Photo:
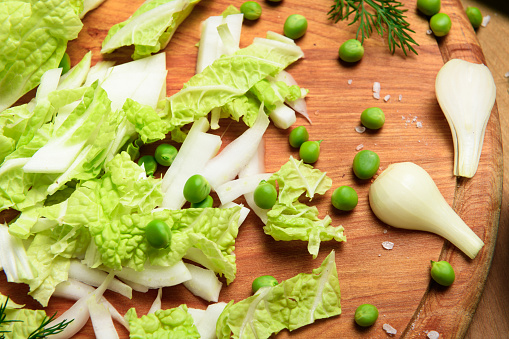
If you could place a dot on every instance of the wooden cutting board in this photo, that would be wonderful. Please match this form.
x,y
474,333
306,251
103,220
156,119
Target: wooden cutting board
x,y
396,281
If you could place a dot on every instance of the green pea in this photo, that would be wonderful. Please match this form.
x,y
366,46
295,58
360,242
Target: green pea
x,y
440,24
429,7
298,136
207,202
310,151
65,63
263,281
251,10
344,198
373,118
295,26
149,163
351,50
158,234
475,16
366,315
265,195
165,154
365,164
196,188
442,272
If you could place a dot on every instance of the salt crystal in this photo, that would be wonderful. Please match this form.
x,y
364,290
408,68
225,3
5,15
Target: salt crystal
x,y
350,81
376,87
388,245
389,329
429,31
387,97
485,20
433,335
419,124
400,97
385,231
360,129
359,147
402,117
506,75
414,119
376,95
379,255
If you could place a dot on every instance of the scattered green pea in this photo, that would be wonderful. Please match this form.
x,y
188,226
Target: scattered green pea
x,y
442,272
295,26
440,24
373,118
196,188
149,163
207,202
65,63
263,281
158,234
365,164
251,10
475,16
165,154
298,136
351,50
429,7
265,195
366,315
310,151
344,198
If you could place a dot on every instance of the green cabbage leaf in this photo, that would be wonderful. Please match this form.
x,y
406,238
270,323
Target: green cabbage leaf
x,y
293,303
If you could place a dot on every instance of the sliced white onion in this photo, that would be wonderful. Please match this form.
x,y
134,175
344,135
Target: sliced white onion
x,y
233,189
204,283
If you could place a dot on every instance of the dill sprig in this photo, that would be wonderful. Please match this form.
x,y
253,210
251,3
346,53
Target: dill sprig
x,y
3,316
387,16
42,332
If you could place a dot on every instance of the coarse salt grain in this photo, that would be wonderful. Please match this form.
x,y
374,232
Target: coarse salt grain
x,y
360,129
359,147
376,95
506,75
387,98
389,329
385,231
400,97
419,124
485,20
429,32
388,245
433,335
376,87
350,81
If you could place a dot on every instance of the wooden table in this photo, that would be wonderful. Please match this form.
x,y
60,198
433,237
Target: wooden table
x,y
485,324
491,319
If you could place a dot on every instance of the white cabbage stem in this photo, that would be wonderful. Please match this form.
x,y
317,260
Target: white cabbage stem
x,y
466,93
405,196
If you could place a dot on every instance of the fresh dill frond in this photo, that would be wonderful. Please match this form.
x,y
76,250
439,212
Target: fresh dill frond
x,y
3,316
387,16
42,332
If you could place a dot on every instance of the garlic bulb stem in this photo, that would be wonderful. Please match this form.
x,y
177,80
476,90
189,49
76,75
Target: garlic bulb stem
x,y
405,196
466,93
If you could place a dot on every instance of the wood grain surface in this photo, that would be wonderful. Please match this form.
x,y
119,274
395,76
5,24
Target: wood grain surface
x,y
396,281
491,319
